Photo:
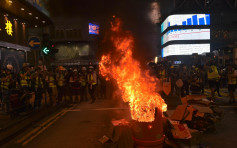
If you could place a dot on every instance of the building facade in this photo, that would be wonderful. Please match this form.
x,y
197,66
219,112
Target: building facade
x,y
17,19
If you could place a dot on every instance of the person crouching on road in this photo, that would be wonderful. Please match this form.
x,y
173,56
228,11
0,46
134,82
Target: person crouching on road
x,y
92,82
231,83
75,84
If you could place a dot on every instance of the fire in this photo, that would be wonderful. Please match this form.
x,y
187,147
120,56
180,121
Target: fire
x,y
137,86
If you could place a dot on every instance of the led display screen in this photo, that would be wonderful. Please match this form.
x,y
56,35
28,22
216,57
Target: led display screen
x,y
185,49
93,29
185,34
185,19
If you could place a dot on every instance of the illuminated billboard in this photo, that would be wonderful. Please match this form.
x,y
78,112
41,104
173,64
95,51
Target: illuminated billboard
x,y
93,29
185,19
185,34
185,49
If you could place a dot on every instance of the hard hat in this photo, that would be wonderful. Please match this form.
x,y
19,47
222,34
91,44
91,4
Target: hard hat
x,y
74,70
83,68
91,67
24,65
61,68
9,67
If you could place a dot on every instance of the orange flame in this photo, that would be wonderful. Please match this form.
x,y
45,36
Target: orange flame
x,y
137,86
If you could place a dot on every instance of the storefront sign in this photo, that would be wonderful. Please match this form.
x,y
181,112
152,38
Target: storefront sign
x,y
34,43
9,28
93,29
12,30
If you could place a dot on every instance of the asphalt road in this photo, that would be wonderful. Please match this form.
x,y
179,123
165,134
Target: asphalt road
x,y
80,127
83,126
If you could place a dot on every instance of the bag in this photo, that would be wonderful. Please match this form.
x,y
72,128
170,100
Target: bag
x,y
179,83
167,86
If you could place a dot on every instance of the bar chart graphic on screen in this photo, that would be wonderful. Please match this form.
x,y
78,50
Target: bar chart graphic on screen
x,y
185,19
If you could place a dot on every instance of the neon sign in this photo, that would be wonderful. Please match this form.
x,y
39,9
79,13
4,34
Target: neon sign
x,y
93,29
9,28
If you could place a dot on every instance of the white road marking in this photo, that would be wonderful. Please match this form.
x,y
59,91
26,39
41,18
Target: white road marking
x,y
97,109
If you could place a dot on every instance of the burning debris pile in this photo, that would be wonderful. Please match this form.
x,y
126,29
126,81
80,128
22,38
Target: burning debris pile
x,y
137,87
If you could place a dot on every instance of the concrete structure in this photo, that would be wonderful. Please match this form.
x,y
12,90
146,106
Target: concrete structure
x,y
17,18
76,46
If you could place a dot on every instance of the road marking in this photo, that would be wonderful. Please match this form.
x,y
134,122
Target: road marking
x,y
38,128
97,109
228,106
42,127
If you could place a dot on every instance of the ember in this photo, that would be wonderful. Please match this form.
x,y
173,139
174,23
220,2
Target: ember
x,y
137,86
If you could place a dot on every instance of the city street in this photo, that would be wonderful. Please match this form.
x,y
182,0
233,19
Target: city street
x,y
118,73
84,124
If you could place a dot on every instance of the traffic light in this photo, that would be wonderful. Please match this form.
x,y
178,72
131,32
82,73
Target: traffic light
x,y
45,50
49,49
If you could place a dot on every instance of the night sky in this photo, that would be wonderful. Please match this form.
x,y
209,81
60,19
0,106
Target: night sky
x,y
134,14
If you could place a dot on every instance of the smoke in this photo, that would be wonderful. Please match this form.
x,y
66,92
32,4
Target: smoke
x,y
136,15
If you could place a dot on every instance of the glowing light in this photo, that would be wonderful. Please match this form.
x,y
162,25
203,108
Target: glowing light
x,y
9,2
22,9
154,13
36,26
30,13
43,22
37,17
9,28
150,126
137,87
156,60
93,29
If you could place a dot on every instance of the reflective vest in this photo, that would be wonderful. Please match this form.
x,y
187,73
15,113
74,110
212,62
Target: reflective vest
x,y
91,79
6,83
25,81
213,74
51,81
38,82
61,80
83,79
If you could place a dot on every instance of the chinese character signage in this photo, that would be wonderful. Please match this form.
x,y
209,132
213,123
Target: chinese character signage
x,y
93,29
9,28
12,31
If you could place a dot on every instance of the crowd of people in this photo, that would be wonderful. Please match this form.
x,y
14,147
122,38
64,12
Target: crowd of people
x,y
76,84
60,84
185,80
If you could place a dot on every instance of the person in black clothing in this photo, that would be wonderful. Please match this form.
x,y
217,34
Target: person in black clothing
x,y
75,85
185,76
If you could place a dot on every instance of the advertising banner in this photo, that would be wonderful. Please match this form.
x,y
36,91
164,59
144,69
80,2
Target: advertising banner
x,y
185,19
185,49
186,34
